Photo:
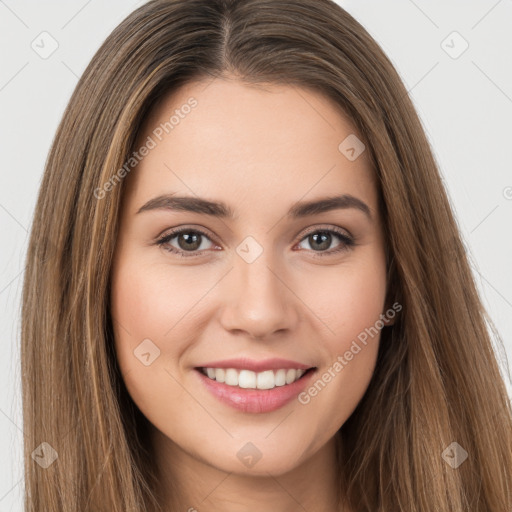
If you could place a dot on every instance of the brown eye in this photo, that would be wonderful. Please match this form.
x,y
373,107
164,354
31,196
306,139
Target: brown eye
x,y
185,241
322,239
188,241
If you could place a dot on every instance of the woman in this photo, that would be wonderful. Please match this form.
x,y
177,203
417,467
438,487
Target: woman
x,y
187,345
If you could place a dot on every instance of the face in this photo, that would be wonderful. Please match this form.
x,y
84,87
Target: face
x,y
256,283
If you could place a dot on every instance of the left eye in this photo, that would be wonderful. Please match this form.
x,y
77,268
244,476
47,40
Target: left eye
x,y
322,239
190,242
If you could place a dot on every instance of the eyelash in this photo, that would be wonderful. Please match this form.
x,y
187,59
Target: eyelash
x,y
347,242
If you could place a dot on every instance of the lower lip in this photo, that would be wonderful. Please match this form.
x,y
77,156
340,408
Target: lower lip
x,y
256,400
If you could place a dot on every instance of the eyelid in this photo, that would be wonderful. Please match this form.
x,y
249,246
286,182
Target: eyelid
x,y
325,227
185,227
347,239
168,235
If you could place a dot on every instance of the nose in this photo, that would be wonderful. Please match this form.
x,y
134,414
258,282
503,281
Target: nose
x,y
259,301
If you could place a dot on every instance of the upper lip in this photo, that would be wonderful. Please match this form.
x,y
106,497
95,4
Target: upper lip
x,y
256,366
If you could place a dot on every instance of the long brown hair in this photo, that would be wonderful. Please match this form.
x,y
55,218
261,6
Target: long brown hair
x,y
437,380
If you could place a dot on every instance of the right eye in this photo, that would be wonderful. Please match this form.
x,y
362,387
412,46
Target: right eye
x,y
189,241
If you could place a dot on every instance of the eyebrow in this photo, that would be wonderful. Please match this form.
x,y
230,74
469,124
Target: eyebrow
x,y
222,210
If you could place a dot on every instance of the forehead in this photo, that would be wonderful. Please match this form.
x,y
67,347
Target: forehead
x,y
274,143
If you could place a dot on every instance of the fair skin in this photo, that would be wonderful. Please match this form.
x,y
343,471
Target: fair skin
x,y
259,152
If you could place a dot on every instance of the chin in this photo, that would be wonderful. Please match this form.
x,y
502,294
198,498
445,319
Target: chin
x,y
255,458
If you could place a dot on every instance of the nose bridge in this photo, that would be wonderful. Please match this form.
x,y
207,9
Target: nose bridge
x,y
259,302
259,277
253,262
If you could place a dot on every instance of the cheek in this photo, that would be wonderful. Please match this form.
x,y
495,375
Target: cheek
x,y
149,301
345,301
148,333
349,304
142,309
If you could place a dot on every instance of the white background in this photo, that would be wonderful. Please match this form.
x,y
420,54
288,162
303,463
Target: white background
x,y
465,104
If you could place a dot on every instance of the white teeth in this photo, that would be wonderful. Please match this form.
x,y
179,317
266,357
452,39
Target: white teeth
x,y
231,377
280,378
290,376
266,380
248,379
220,374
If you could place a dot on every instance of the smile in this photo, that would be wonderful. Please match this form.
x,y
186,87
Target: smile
x,y
249,391
248,379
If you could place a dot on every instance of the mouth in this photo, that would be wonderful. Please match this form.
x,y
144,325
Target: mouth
x,y
248,379
250,391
